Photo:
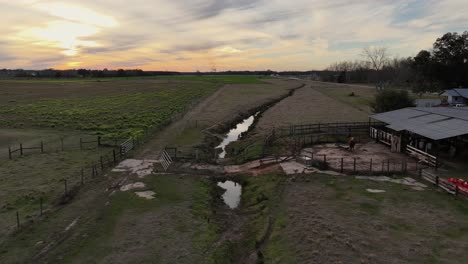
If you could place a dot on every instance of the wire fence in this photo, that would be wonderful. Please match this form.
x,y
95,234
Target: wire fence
x,y
60,145
73,183
91,171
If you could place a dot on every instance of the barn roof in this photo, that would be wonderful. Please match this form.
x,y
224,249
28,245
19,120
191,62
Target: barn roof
x,y
432,122
463,92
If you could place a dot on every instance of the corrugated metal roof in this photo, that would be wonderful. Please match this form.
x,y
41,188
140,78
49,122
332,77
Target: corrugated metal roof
x,y
432,122
463,92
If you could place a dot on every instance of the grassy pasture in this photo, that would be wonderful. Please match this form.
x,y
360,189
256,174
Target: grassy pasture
x,y
123,228
327,219
363,95
114,107
112,115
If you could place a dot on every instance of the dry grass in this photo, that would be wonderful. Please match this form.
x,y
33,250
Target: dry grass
x,y
308,105
334,220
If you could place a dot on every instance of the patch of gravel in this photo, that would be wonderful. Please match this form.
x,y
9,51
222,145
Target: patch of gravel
x,y
132,186
149,195
141,168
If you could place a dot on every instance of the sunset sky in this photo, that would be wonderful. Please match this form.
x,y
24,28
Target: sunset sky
x,y
190,35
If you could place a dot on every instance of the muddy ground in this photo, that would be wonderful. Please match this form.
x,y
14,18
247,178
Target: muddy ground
x,y
382,158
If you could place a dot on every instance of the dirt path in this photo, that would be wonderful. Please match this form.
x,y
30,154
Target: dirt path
x,y
222,106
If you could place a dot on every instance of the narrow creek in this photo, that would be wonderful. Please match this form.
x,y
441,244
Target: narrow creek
x,y
234,134
233,193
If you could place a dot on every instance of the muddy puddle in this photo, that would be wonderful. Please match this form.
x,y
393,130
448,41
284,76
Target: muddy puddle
x,y
235,133
233,193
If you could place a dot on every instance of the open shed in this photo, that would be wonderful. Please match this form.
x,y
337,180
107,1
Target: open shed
x,y
428,133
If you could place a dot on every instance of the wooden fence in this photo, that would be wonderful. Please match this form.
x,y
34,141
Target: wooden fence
x,y
88,173
350,165
443,184
387,139
343,128
59,145
21,150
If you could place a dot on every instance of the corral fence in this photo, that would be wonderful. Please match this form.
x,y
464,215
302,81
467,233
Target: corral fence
x,y
451,188
353,165
294,137
342,128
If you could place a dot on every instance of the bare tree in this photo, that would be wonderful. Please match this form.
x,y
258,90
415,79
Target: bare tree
x,y
377,57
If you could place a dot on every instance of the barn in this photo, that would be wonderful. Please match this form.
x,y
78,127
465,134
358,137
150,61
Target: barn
x,y
431,134
456,96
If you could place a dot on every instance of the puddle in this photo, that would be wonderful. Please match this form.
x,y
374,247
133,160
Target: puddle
x,y
233,134
233,193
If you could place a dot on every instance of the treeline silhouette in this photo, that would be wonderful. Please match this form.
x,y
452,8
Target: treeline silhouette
x,y
444,66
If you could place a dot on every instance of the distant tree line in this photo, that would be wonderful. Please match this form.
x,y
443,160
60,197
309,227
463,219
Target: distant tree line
x,y
445,66
79,73
105,73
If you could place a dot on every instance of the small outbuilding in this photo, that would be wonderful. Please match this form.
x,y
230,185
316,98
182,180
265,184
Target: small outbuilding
x,y
456,96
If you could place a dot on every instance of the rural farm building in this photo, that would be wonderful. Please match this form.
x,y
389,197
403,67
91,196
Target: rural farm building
x,y
456,96
428,133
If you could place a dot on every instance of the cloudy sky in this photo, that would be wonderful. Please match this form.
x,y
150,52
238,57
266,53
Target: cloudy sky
x,y
189,35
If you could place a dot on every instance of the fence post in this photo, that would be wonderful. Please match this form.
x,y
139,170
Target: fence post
x,y
456,190
114,156
81,144
92,171
42,146
9,152
102,163
17,220
21,149
388,166
341,170
82,176
354,165
99,141
420,171
325,159
370,167
61,143
437,180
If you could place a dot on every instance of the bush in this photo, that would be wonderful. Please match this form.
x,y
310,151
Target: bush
x,y
389,100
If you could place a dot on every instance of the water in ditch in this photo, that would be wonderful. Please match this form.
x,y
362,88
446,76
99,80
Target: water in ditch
x,y
233,193
233,134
